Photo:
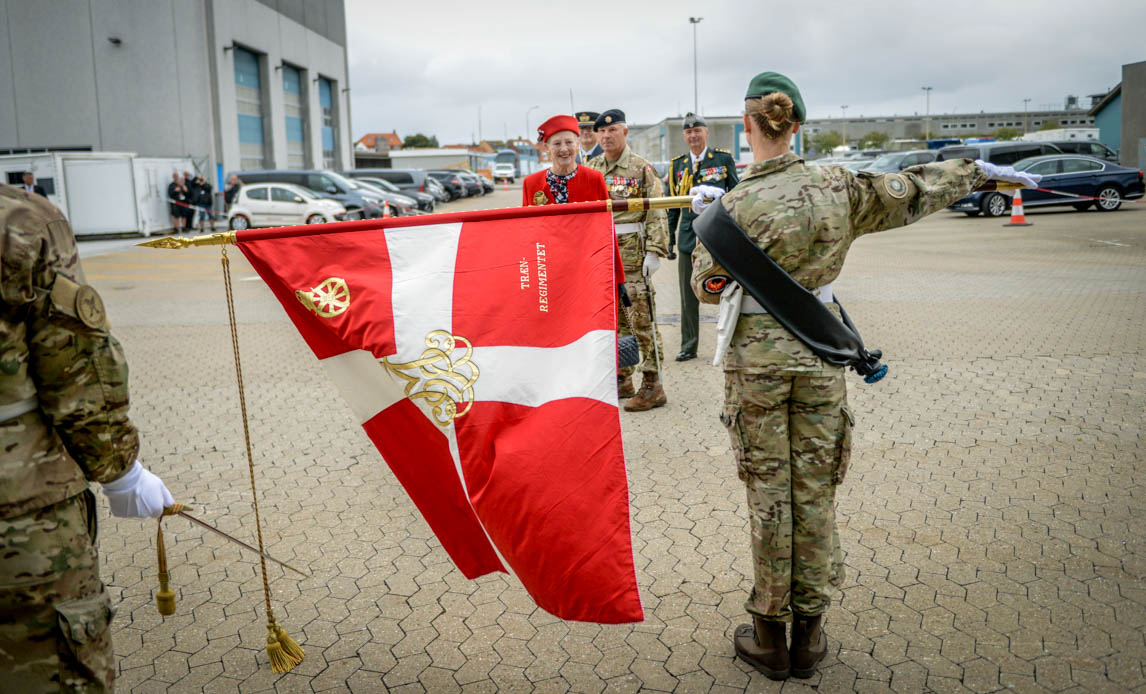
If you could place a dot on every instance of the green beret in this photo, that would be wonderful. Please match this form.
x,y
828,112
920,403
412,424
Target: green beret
x,y
771,82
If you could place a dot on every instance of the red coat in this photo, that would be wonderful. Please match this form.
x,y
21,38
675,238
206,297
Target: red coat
x,y
586,185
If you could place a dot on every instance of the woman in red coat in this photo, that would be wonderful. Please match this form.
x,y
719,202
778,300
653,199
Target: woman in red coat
x,y
564,181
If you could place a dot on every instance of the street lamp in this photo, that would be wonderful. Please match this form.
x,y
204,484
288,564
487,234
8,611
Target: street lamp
x,y
527,112
1025,119
695,98
927,116
844,108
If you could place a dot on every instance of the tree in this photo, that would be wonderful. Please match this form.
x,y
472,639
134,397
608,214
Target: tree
x,y
1050,125
876,139
824,143
1003,134
419,140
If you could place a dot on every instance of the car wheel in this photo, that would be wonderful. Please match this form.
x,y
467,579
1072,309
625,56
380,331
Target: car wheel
x,y
994,205
239,222
315,219
1109,199
1082,206
971,214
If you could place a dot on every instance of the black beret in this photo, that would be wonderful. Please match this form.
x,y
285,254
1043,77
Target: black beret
x,y
613,115
586,117
691,120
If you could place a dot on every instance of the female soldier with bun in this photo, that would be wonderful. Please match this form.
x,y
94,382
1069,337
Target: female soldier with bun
x,y
785,408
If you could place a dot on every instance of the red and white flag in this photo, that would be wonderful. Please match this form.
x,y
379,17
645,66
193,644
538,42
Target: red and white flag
x,y
479,354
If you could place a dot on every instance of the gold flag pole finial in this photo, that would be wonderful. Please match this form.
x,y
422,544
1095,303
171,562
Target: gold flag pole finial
x,y
219,239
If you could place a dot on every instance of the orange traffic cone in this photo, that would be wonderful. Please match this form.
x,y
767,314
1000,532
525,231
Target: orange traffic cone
x,y
1018,219
506,181
385,210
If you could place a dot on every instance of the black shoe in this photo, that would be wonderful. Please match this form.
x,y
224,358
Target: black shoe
x,y
764,646
672,255
685,356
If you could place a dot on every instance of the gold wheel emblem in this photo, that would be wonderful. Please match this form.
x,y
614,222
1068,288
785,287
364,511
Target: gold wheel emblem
x,y
445,383
329,299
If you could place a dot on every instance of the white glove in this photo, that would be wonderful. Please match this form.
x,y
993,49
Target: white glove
x,y
703,196
1007,173
652,264
138,494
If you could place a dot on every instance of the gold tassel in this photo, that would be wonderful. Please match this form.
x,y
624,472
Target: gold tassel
x,y
165,596
278,649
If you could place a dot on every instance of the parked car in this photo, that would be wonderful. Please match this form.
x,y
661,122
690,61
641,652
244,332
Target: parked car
x,y
1081,177
1002,153
894,162
505,171
281,204
423,201
473,185
435,188
450,181
400,205
325,183
407,180
1086,147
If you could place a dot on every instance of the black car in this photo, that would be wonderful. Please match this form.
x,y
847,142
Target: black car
x,y
1079,181
894,162
1001,153
473,184
425,200
1088,148
450,181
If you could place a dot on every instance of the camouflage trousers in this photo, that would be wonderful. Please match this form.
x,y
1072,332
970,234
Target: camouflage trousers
x,y
642,311
55,615
791,433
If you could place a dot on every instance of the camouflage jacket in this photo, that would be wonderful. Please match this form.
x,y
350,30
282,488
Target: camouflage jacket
x,y
717,168
55,348
805,218
633,177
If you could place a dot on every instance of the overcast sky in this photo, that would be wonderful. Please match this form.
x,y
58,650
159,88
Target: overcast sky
x,y
429,66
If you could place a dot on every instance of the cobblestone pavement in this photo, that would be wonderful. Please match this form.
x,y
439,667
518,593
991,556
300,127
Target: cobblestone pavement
x,y
994,516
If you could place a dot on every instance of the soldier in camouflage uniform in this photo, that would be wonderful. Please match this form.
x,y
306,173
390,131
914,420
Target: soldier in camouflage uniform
x,y
63,422
786,409
643,239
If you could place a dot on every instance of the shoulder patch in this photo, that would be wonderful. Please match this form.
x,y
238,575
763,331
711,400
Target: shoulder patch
x,y
895,185
89,308
716,284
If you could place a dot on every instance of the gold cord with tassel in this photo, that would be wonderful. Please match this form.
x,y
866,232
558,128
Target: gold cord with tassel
x,y
282,650
165,596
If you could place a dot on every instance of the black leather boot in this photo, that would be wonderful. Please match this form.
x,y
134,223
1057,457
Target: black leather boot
x,y
809,644
764,645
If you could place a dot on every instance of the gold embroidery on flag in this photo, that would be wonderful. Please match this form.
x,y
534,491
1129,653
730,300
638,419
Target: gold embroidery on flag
x,y
445,383
329,299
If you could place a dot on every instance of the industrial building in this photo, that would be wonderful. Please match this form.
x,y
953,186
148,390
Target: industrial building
x,y
230,84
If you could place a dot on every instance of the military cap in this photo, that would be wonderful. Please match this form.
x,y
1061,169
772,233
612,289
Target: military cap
x,y
771,82
585,119
555,125
691,120
610,117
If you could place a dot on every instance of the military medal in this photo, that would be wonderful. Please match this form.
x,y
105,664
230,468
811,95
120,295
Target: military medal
x,y
539,198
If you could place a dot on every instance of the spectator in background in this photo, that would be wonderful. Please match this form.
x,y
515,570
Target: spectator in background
x,y
231,191
176,194
30,185
192,211
205,200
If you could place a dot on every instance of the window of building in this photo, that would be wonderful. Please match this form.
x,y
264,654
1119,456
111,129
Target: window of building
x,y
249,104
326,94
295,117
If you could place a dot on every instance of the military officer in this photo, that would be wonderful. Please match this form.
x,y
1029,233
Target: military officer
x,y
589,147
701,165
785,408
643,239
63,423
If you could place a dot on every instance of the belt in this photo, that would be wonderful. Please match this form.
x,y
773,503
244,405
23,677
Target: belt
x,y
752,306
15,409
630,228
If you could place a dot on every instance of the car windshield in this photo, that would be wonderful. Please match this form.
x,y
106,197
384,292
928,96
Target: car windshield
x,y
309,195
342,180
887,160
384,185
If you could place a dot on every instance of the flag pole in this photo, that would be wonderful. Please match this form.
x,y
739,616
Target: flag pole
x,y
630,205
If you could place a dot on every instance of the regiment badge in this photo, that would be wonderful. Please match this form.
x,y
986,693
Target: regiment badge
x,y
896,186
89,308
329,299
539,198
715,284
